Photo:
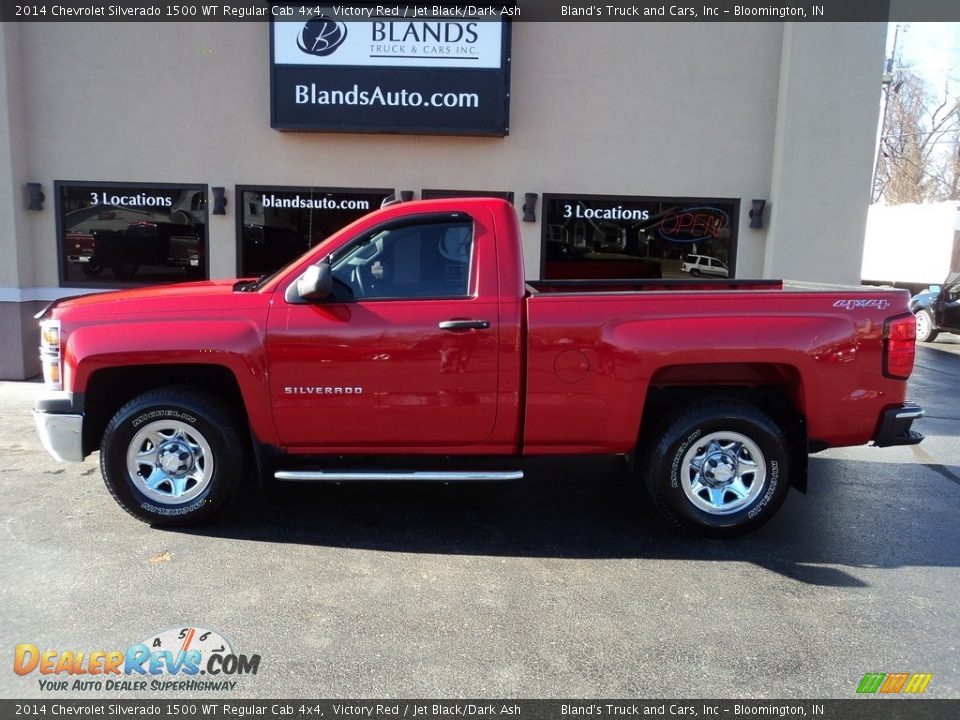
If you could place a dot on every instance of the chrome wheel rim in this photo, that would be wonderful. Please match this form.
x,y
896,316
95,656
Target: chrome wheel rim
x,y
723,472
169,462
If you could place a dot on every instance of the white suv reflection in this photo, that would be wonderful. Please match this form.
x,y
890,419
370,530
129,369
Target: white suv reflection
x,y
698,265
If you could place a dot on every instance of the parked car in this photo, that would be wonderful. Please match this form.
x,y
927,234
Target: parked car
x,y
81,249
146,242
937,309
698,265
161,243
408,346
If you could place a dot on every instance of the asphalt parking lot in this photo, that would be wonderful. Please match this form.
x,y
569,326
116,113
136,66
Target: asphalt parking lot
x,y
565,585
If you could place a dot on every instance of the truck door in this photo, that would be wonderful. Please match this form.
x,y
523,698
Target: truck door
x,y
947,309
405,355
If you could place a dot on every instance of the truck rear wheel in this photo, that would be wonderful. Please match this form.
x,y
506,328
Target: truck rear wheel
x,y
172,456
719,469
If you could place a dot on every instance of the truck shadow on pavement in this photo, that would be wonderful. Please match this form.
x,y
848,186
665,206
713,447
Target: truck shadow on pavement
x,y
576,510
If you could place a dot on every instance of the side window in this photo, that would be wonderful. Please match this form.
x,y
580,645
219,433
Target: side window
x,y
951,292
409,260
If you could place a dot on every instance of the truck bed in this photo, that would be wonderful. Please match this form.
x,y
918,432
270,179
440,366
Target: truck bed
x,y
595,348
658,285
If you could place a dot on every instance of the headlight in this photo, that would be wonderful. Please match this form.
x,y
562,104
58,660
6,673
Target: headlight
x,y
50,354
50,335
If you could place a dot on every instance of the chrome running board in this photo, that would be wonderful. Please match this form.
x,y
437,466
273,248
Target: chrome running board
x,y
400,475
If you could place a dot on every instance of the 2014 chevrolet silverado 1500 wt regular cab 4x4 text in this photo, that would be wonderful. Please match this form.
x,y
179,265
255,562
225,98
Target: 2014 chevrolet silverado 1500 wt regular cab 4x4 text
x,y
409,347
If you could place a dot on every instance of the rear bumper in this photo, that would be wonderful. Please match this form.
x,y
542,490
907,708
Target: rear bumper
x,y
895,426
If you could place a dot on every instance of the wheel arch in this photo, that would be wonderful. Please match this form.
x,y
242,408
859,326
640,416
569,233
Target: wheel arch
x,y
776,389
109,389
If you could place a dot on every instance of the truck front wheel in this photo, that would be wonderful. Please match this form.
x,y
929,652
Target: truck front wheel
x,y
719,469
172,456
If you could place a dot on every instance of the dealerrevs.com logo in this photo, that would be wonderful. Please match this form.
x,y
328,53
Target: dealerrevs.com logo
x,y
321,36
894,683
179,659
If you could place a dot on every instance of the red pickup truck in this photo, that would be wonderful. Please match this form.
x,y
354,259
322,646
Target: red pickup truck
x,y
408,347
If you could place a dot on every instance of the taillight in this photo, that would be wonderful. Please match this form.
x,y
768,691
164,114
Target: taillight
x,y
50,353
899,346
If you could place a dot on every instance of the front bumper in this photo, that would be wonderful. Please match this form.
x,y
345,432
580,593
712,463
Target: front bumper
x,y
61,435
58,416
895,426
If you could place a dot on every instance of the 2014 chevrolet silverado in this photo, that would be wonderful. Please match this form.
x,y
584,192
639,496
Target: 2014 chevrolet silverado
x,y
409,347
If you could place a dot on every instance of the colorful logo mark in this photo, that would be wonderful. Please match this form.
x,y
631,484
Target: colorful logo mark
x,y
894,683
187,651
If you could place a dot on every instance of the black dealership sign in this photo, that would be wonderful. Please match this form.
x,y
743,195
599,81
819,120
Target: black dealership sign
x,y
348,69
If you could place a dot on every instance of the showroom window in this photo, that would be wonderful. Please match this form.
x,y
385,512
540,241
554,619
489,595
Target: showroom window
x,y
440,194
593,237
278,224
124,234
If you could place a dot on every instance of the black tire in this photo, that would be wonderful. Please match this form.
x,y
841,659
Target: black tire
x,y
172,456
926,331
124,269
92,268
730,438
695,272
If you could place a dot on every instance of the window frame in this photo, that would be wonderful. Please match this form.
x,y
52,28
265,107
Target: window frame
x,y
60,237
545,227
433,194
239,190
412,221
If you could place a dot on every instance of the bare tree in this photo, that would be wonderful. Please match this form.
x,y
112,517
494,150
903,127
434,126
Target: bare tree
x,y
919,158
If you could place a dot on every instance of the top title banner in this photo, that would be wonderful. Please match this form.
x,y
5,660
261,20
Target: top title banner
x,y
516,11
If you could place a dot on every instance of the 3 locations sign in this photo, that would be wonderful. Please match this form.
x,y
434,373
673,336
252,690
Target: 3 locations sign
x,y
431,70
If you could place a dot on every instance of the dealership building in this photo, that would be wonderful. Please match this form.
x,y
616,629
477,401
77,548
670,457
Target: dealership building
x,y
153,152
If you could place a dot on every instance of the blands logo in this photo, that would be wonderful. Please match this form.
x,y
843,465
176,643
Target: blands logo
x,y
321,36
324,40
894,683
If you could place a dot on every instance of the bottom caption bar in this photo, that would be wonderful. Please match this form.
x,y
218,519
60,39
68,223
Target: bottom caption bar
x,y
854,709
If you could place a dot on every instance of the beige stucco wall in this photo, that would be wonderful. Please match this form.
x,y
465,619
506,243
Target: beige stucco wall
x,y
752,110
823,156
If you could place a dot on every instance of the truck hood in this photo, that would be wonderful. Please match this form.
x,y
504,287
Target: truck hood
x,y
197,298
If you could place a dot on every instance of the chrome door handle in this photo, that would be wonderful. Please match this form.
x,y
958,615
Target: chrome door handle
x,y
464,325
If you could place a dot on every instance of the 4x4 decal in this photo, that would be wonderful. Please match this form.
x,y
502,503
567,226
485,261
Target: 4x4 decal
x,y
862,303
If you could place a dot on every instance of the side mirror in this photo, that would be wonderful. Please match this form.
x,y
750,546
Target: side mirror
x,y
316,283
